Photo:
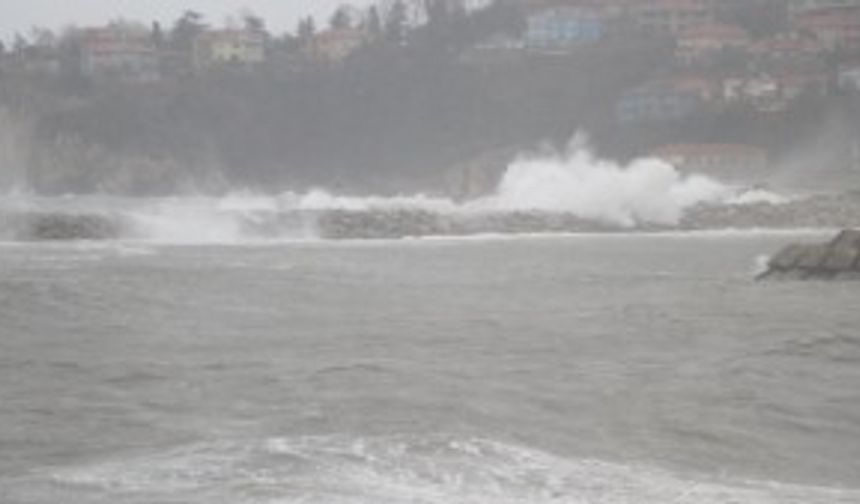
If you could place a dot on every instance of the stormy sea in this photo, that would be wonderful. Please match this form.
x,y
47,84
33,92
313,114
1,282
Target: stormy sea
x,y
589,334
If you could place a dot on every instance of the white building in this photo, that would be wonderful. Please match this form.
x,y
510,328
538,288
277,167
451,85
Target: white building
x,y
801,6
123,53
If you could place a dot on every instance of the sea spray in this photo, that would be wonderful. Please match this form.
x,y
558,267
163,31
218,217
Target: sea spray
x,y
15,135
647,191
569,191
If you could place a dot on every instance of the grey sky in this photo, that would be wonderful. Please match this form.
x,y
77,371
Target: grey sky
x,y
22,15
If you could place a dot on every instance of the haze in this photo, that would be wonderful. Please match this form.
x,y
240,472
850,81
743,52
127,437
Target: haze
x,y
279,14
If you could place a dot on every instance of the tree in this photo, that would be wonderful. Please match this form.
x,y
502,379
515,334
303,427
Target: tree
x,y
374,23
157,35
43,37
20,44
340,20
254,23
186,29
72,79
395,23
305,34
440,18
306,30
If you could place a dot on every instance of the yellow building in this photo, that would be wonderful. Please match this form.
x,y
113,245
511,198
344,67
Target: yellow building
x,y
229,47
336,45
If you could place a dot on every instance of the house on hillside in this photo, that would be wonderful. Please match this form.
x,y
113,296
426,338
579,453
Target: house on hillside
x,y
499,49
849,77
788,48
673,17
121,53
657,102
798,7
468,5
768,92
706,89
39,61
794,85
564,28
838,28
761,92
236,47
731,162
703,44
606,8
335,45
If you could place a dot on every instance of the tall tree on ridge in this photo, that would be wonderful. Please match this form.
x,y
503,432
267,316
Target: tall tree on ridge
x,y
395,23
186,29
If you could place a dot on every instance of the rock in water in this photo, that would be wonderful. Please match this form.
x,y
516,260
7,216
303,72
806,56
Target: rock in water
x,y
838,259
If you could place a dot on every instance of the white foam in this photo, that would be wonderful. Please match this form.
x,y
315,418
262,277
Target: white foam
x,y
185,221
576,182
320,199
405,469
573,182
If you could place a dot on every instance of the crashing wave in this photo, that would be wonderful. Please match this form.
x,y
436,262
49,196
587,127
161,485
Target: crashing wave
x,y
567,192
206,221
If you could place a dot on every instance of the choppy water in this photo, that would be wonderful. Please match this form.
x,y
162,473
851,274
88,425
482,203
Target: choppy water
x,y
592,369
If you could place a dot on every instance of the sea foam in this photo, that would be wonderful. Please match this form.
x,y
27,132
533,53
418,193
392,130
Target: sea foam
x,y
395,469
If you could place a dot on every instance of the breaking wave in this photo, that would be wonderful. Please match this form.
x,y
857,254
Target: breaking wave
x,y
570,191
647,191
393,469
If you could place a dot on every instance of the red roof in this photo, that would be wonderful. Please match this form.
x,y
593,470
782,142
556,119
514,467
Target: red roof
x,y
675,5
716,31
832,17
789,42
107,40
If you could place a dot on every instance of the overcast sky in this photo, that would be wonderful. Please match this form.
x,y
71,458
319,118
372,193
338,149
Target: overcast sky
x,y
281,15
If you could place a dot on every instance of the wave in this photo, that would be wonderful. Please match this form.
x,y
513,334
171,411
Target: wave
x,y
568,192
647,191
394,469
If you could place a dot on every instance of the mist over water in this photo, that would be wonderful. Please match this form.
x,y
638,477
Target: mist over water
x,y
15,133
573,183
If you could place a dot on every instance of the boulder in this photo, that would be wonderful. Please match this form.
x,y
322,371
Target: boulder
x,y
844,252
837,259
789,257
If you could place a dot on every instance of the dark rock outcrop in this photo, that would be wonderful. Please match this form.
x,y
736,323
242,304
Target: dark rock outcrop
x,y
838,259
67,227
416,223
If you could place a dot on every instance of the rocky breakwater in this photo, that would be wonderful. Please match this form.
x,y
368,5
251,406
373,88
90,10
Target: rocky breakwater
x,y
59,226
838,259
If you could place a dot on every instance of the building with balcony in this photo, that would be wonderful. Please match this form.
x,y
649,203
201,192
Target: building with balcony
x,y
336,44
657,102
564,28
235,47
673,17
838,28
118,53
702,44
